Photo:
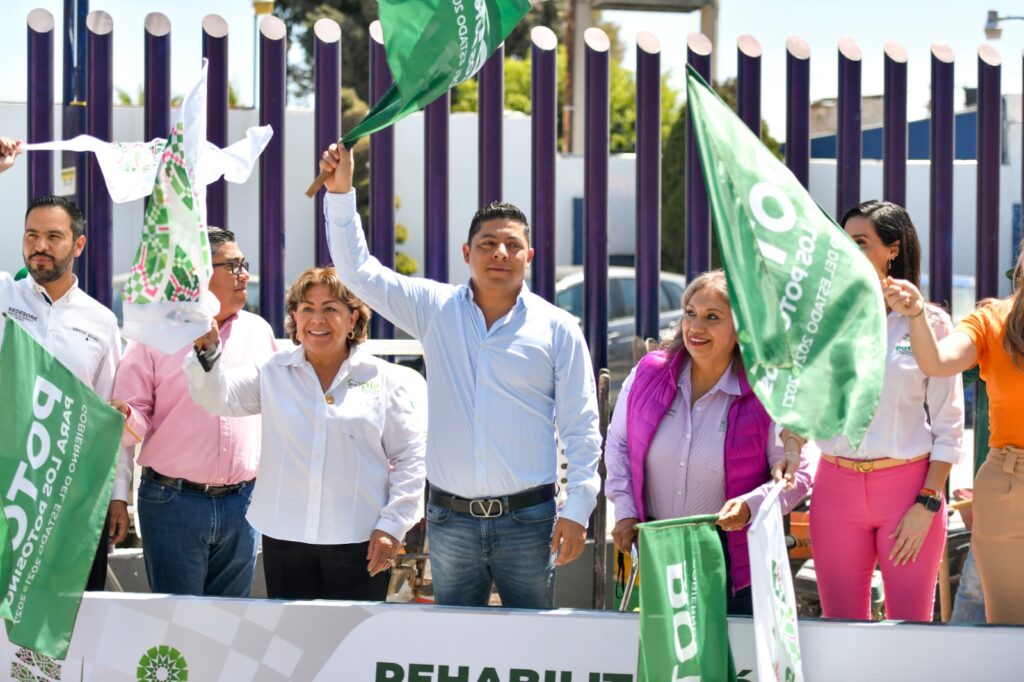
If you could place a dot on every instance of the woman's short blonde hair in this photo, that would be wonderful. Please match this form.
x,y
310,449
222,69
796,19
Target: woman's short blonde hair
x,y
329,278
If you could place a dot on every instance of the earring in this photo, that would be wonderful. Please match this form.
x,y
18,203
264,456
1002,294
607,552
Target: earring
x,y
890,264
352,334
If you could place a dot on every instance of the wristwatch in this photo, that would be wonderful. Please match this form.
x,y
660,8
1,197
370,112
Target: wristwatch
x,y
932,503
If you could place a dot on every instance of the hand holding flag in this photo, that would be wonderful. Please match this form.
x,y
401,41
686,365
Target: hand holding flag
x,y
432,46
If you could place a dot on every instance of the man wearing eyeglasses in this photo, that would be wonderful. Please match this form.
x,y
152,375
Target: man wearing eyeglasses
x,y
197,468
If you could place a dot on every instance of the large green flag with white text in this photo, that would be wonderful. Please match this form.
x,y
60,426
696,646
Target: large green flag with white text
x,y
684,633
807,302
433,45
59,445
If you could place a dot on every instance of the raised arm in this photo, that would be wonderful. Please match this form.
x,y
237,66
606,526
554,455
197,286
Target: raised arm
x,y
408,302
227,393
936,358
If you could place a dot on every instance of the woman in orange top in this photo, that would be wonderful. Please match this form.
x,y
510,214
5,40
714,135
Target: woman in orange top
x,y
993,338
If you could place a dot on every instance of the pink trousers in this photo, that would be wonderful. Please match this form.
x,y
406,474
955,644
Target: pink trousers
x,y
852,516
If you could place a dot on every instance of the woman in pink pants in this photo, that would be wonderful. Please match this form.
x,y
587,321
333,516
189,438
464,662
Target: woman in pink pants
x,y
881,502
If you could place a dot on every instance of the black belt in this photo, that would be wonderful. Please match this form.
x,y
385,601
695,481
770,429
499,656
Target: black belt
x,y
185,484
490,507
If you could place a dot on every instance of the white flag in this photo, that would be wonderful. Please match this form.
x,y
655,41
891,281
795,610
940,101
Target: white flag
x,y
129,168
775,629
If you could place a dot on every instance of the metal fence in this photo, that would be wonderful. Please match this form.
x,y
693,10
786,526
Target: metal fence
x,y
97,263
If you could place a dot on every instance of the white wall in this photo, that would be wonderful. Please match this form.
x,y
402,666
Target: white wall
x,y
243,200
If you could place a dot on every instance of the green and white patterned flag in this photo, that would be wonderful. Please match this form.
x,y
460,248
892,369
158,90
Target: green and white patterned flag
x,y
167,302
808,306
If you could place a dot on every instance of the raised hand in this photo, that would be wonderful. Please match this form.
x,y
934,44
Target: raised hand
x,y
902,297
9,150
338,160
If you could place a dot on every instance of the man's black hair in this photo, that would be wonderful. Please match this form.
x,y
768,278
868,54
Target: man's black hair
x,y
498,209
75,213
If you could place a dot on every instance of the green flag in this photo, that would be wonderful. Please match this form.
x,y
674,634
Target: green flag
x,y
60,443
684,633
808,306
432,46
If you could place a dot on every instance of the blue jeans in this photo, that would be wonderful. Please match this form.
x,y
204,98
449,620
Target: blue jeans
x,y
196,544
969,604
511,551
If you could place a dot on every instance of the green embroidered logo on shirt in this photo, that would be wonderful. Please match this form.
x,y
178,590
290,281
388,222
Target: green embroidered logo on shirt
x,y
365,386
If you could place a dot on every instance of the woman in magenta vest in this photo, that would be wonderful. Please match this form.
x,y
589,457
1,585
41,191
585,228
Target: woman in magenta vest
x,y
689,437
881,502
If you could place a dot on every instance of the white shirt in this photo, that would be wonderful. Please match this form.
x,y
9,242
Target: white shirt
x,y
916,414
497,395
81,333
330,472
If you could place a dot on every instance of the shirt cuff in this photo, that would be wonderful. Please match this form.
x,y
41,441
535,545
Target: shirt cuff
x,y
754,499
340,209
625,510
391,528
945,453
576,509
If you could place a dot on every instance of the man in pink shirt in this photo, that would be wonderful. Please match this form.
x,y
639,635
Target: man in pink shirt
x,y
198,469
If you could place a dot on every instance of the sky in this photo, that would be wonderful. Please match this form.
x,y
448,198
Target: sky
x,y
914,24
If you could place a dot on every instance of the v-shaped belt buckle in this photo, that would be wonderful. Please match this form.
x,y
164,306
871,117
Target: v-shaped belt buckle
x,y
486,509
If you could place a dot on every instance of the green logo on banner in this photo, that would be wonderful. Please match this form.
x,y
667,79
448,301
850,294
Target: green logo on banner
x,y
162,664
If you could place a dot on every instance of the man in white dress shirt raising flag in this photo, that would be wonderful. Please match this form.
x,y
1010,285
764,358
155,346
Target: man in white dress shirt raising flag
x,y
506,370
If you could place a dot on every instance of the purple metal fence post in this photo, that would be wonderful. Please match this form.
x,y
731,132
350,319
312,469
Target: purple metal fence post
x,y
848,143
986,250
798,108
327,78
748,77
698,212
40,101
544,141
648,185
99,115
940,202
215,49
382,175
157,81
435,188
490,121
595,195
273,48
894,130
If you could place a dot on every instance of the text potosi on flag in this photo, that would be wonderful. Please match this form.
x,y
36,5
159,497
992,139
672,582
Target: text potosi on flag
x,y
684,633
433,45
60,442
775,628
808,305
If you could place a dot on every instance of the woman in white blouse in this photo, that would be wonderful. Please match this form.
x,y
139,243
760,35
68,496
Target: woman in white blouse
x,y
881,503
341,473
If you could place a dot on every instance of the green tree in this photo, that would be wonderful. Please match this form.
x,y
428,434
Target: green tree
x,y
354,17
673,185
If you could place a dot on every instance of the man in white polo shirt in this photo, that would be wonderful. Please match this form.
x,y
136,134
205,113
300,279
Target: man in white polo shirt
x,y
79,331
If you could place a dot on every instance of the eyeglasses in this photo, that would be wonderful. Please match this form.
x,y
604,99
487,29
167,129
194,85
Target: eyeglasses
x,y
235,265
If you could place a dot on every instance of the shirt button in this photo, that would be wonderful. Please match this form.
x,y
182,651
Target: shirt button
x,y
687,435
698,408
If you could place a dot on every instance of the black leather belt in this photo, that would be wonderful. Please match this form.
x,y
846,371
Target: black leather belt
x,y
490,507
185,484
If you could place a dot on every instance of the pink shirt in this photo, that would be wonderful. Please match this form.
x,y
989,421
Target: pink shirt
x,y
179,438
684,470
